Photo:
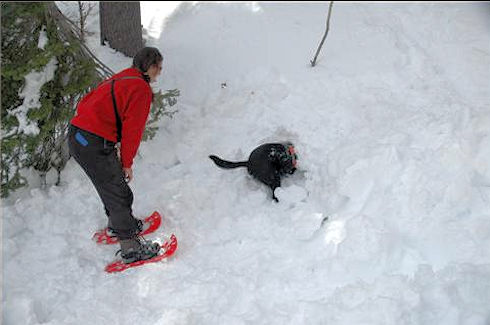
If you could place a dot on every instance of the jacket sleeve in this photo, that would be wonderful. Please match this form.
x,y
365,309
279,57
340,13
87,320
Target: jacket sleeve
x,y
134,120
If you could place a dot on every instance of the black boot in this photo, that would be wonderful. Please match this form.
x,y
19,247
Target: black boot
x,y
137,249
113,233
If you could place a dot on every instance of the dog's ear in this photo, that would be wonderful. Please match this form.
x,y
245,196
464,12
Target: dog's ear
x,y
273,154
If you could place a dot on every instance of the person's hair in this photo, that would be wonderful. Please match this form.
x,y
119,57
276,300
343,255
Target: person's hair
x,y
146,57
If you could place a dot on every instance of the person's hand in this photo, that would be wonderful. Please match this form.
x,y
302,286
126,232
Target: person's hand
x,y
128,174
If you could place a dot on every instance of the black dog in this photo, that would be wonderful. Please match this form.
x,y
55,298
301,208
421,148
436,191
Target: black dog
x,y
267,163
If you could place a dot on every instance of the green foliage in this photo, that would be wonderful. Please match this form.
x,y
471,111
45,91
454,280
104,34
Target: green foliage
x,y
75,74
161,103
22,24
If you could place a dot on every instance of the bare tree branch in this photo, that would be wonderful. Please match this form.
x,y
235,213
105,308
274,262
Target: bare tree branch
x,y
69,32
82,21
313,62
84,11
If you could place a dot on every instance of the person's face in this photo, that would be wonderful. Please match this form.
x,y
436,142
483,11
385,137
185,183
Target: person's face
x,y
154,71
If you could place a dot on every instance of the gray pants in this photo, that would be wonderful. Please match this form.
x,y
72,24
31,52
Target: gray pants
x,y
98,159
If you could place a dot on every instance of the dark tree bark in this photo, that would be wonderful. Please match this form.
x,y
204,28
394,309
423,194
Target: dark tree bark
x,y
120,26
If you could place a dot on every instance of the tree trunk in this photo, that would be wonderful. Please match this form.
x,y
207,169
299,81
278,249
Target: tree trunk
x,y
120,26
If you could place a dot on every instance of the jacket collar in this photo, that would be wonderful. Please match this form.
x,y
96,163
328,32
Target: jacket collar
x,y
133,72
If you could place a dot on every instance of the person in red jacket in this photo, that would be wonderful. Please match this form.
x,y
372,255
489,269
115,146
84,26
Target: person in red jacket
x,y
116,112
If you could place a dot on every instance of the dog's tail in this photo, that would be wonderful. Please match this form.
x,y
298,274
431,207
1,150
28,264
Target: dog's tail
x,y
228,164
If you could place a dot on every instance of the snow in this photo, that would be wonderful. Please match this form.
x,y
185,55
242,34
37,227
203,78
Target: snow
x,y
31,92
43,39
386,221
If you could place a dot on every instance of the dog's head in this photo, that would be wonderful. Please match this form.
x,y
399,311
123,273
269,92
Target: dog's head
x,y
288,161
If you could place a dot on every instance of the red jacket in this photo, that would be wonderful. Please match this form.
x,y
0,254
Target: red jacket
x,y
95,112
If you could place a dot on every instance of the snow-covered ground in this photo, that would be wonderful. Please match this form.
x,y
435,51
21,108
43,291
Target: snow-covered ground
x,y
386,222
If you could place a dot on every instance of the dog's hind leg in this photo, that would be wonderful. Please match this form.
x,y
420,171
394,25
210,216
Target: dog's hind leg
x,y
276,182
274,197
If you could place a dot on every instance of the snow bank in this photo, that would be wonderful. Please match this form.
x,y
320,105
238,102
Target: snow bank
x,y
386,221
